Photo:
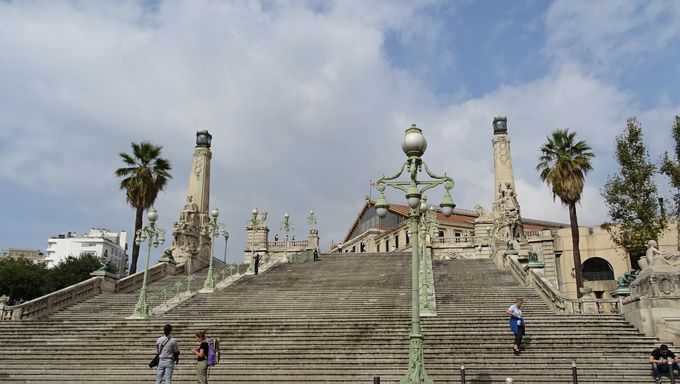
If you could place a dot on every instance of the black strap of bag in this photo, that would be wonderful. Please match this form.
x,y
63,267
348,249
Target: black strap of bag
x,y
158,352
156,360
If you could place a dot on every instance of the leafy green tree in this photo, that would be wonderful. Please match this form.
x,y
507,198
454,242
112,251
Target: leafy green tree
x,y
145,174
670,166
72,270
22,280
562,165
631,195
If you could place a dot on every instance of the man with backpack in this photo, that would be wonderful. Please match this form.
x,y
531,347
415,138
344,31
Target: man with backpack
x,y
168,354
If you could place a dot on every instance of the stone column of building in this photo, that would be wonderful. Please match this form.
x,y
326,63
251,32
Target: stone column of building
x,y
190,243
505,211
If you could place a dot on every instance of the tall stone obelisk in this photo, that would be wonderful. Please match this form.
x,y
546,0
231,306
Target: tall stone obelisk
x,y
505,211
190,243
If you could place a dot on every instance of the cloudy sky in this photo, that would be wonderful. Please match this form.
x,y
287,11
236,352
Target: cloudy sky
x,y
307,101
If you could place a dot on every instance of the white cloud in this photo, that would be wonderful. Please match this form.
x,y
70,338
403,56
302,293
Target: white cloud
x,y
611,35
303,104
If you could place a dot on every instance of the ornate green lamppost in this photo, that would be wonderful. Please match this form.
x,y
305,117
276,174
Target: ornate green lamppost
x,y
286,226
255,222
225,233
414,146
153,236
212,228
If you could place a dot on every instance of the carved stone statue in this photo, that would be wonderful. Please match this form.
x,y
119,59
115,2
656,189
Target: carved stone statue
x,y
655,258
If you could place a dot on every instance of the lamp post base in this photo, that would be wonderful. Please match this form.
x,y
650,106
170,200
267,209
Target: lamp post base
x,y
209,285
141,308
416,369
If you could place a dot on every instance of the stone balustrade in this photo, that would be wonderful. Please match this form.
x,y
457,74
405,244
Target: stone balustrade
x,y
466,240
563,304
293,246
55,301
134,282
52,302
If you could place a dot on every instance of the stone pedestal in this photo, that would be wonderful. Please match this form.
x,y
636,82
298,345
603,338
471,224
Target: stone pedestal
x,y
108,280
256,242
653,306
313,239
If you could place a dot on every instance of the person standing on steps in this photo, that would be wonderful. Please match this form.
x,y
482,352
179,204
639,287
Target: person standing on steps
x,y
168,353
201,358
257,262
517,324
659,360
316,255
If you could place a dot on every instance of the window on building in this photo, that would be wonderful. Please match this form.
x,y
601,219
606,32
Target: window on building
x,y
597,269
387,245
396,242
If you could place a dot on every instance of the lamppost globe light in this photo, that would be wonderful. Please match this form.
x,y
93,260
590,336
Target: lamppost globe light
x,y
381,206
255,211
447,204
215,212
286,215
414,143
152,215
423,205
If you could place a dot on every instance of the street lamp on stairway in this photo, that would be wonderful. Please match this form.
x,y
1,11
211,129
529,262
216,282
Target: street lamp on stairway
x,y
414,146
225,233
286,226
254,223
212,228
153,236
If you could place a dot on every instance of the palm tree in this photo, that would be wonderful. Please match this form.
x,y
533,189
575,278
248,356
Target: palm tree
x,y
563,164
145,174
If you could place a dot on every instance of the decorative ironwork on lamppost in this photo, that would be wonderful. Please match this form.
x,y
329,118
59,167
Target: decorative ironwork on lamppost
x,y
414,146
286,226
311,220
225,233
255,222
212,228
153,236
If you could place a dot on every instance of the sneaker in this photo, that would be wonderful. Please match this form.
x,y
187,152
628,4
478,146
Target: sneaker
x,y
657,380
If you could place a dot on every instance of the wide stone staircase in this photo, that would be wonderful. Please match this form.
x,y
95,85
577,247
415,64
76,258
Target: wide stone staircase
x,y
344,319
122,304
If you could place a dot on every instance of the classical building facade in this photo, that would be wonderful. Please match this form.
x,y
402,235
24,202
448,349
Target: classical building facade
x,y
480,234
100,242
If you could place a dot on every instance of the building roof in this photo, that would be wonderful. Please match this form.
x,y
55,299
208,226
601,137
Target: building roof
x,y
459,216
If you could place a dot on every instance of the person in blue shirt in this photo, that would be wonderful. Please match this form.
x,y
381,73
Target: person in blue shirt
x,y
517,323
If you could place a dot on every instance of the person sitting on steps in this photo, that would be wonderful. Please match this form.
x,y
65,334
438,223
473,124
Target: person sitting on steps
x,y
659,360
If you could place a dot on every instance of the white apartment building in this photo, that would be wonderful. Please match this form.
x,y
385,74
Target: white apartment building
x,y
98,242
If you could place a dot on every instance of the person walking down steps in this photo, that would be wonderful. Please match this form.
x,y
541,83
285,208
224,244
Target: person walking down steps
x,y
517,324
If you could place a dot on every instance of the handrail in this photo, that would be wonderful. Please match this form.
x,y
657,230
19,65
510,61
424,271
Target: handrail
x,y
52,302
518,269
133,282
562,303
